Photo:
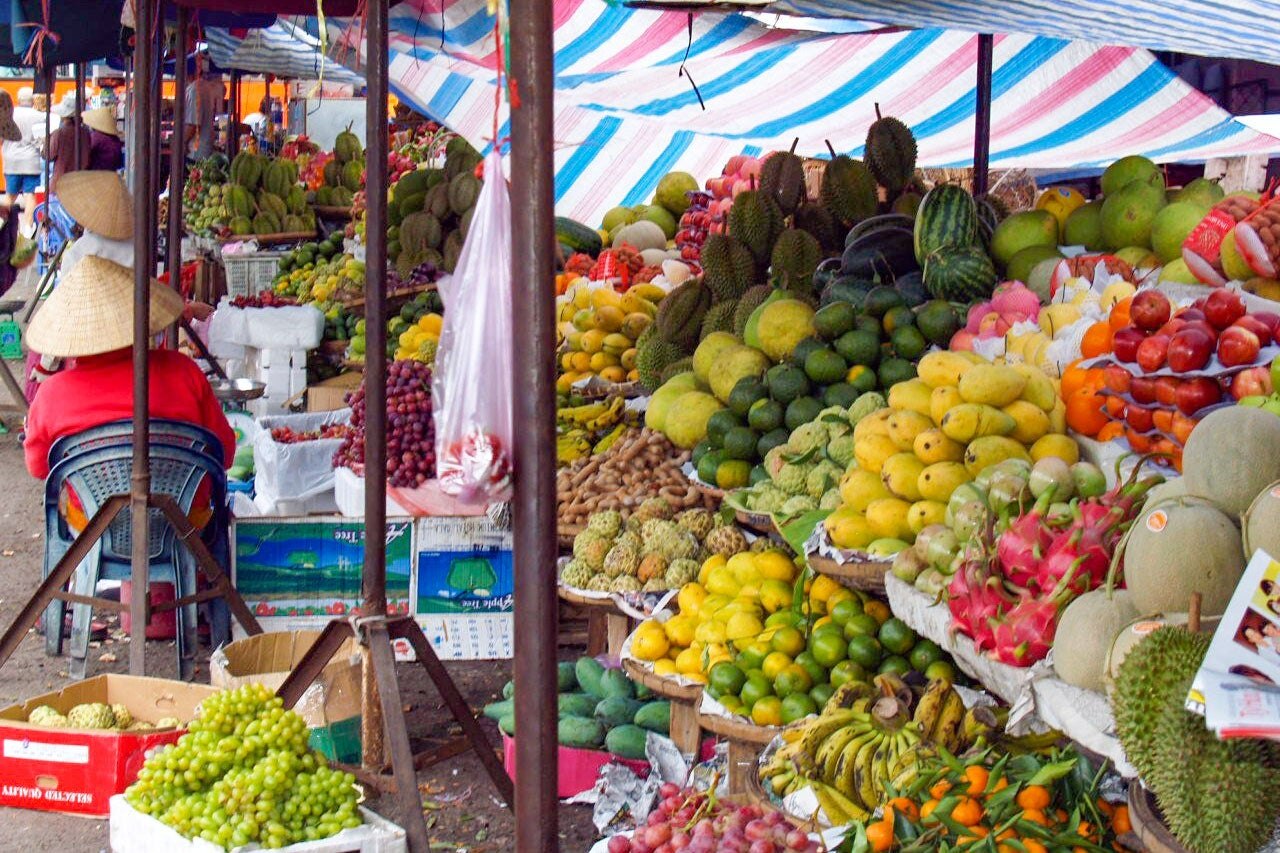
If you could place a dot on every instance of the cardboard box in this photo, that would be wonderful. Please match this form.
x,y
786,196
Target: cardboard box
x,y
468,636
298,573
330,706
79,770
332,393
463,565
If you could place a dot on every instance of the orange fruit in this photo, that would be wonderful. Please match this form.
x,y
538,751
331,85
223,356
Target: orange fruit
x,y
1073,379
1033,797
880,836
1113,430
1115,406
1104,807
1084,413
977,776
1119,317
1120,820
968,812
1035,816
903,806
1096,340
927,809
879,610
1033,846
939,789
1001,784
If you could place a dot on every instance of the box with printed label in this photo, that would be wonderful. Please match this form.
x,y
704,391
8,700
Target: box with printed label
x,y
79,770
299,573
463,566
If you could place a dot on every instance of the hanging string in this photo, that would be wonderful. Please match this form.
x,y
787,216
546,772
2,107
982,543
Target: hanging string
x,y
35,50
684,71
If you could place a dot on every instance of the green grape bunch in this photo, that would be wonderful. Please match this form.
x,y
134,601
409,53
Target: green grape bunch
x,y
243,773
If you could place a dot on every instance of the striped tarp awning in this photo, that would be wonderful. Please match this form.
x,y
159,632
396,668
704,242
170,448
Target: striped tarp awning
x,y
282,49
625,115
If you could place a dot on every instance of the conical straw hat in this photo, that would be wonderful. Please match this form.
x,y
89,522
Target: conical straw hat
x,y
102,120
91,311
99,201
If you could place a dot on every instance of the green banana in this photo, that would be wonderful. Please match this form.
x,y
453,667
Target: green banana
x,y
853,779
829,753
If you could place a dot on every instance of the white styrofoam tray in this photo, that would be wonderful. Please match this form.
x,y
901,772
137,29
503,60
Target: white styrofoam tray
x,y
134,832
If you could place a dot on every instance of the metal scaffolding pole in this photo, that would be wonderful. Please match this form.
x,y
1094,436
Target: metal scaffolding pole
x,y
982,115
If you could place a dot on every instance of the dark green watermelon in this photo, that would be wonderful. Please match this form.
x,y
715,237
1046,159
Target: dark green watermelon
x,y
849,289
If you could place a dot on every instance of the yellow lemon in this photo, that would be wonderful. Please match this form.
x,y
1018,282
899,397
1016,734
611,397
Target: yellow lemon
x,y
710,632
715,561
721,581
775,595
717,653
664,666
775,565
775,663
688,661
743,567
650,642
838,596
767,711
699,677
680,628
691,598
822,589
743,625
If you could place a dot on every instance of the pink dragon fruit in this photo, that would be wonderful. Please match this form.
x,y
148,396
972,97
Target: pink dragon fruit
x,y
1022,546
1024,633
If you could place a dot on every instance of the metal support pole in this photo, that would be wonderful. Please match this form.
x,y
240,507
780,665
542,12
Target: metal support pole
x,y
177,153
375,368
533,243
233,118
76,152
144,242
982,115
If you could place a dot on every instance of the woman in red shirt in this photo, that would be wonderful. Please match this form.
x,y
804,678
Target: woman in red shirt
x,y
89,318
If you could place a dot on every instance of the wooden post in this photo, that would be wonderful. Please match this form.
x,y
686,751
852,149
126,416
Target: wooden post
x,y
982,115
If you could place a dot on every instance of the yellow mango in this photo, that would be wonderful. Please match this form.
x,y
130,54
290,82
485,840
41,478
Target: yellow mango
x,y
849,529
990,450
607,297
992,384
912,394
970,421
859,487
924,513
876,423
1058,418
900,473
1039,389
1031,421
942,368
972,357
1053,444
936,482
932,447
887,518
1054,318
905,425
943,399
872,451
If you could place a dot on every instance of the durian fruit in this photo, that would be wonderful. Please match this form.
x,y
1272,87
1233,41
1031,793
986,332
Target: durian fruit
x,y
819,222
719,318
1150,680
653,355
680,313
728,267
756,220
91,715
890,152
750,301
848,190
675,368
795,256
782,179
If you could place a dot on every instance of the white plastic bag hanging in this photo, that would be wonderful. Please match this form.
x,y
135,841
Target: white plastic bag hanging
x,y
472,381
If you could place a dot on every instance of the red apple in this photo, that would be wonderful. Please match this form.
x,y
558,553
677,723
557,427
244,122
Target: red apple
x,y
1167,386
1237,345
1139,418
1223,307
1195,394
1270,318
1258,327
1143,388
1149,310
1117,378
1125,343
1256,381
1190,314
1199,303
1190,349
1171,328
1152,353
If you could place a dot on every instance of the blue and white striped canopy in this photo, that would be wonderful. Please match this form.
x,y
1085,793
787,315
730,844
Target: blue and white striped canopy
x,y
283,49
625,115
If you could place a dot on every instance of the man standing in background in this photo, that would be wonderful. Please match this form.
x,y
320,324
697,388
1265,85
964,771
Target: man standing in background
x,y
204,97
22,156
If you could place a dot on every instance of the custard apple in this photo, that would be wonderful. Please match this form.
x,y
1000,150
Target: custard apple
x,y
576,574
655,585
45,715
798,505
654,530
823,476
699,522
840,450
621,560
599,583
594,553
650,509
726,541
774,461
764,544
869,402
831,500
766,497
681,572
625,583
123,718
141,726
791,479
583,540
807,437
652,565
679,545
91,715
168,723
608,523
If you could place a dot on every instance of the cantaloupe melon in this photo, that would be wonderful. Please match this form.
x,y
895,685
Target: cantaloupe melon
x,y
1132,634
1174,488
1085,633
1261,523
1231,455
1179,547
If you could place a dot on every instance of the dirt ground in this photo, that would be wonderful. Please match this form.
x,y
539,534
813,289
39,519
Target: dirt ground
x,y
462,808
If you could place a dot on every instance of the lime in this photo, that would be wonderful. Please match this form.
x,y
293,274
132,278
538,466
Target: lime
x,y
733,473
782,618
775,663
844,610
941,669
908,342
789,641
726,679
898,318
800,411
733,705
793,679
869,323
816,671
861,346
840,394
821,693
896,664
752,657
924,653
767,712
797,706
765,415
895,370
861,624
829,649
847,671
896,637
878,609
756,688
861,378
719,424
864,650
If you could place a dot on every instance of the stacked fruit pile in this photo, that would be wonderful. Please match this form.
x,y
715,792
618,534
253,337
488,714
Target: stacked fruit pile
x,y
599,327
868,743
341,324
959,417
264,198
203,210
411,446
598,707
343,174
244,773
695,821
584,429
288,435
430,211
97,715
320,272
655,549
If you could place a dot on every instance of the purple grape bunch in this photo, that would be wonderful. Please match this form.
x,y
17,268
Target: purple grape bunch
x,y
411,441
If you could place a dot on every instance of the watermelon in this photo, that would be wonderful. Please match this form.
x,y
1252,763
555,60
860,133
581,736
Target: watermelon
x,y
886,253
947,218
578,237
959,274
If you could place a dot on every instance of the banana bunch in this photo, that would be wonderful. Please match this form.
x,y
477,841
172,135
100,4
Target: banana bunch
x,y
594,416
572,445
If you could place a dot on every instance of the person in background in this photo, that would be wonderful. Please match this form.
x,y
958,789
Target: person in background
x,y
22,156
60,146
204,100
106,148
257,121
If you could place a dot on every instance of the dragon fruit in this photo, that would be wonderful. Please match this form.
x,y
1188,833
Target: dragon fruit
x,y
1024,633
1022,546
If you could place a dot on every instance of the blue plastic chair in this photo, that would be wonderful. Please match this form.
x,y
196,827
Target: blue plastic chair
x,y
96,475
163,431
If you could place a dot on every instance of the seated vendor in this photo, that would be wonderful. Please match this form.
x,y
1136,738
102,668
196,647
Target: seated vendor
x,y
88,320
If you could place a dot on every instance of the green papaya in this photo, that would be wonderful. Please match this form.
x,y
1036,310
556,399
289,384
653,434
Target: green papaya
x,y
576,705
498,710
566,678
508,725
614,682
616,710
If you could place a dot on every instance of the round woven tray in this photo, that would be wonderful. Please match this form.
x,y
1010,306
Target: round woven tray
x,y
565,534
573,596
664,687
734,729
626,390
760,522
867,575
1148,825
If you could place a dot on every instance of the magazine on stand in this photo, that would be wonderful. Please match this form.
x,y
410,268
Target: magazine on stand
x,y
1238,686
